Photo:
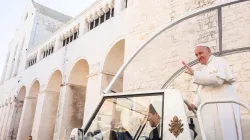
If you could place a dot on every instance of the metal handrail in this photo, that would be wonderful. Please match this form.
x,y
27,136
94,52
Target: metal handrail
x,y
203,134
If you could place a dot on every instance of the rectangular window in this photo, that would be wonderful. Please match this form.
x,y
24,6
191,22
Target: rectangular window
x,y
67,41
126,3
75,35
113,11
96,22
64,42
91,25
71,38
47,53
52,49
102,18
108,15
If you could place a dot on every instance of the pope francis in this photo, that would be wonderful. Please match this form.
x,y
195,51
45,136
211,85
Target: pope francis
x,y
215,82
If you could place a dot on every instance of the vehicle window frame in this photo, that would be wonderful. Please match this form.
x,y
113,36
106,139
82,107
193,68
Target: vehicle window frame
x,y
126,95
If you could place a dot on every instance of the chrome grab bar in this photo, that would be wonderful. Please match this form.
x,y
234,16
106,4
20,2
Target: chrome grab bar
x,y
214,102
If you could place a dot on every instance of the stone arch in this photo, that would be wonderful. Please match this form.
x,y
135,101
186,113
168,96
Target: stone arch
x,y
50,100
78,80
28,113
55,81
21,93
111,46
112,63
79,73
34,89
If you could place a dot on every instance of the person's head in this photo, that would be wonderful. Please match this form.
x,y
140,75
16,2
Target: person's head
x,y
153,116
202,53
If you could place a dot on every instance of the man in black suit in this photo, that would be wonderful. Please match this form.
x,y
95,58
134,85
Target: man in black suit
x,y
154,121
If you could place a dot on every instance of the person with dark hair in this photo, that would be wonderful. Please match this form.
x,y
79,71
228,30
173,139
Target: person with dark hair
x,y
154,120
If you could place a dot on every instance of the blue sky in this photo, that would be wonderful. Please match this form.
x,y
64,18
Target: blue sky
x,y
11,12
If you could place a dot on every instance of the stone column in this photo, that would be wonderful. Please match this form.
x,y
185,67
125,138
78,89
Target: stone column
x,y
58,43
39,55
84,27
71,109
13,124
4,106
27,118
23,61
10,120
9,70
5,120
3,74
44,122
1,112
119,6
17,59
89,20
93,95
16,65
5,68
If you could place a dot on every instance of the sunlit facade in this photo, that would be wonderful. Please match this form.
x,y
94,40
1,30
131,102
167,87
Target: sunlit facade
x,y
58,67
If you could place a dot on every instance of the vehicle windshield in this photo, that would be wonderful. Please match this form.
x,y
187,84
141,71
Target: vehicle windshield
x,y
126,118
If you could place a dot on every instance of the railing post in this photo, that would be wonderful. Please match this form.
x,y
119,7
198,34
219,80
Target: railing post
x,y
220,29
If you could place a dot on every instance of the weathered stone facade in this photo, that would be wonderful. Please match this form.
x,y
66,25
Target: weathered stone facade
x,y
50,88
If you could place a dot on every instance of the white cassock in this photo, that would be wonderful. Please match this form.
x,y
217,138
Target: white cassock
x,y
221,121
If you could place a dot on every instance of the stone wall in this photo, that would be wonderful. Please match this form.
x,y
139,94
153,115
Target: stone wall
x,y
162,57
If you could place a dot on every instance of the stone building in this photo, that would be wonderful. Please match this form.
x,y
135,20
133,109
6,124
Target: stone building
x,y
58,67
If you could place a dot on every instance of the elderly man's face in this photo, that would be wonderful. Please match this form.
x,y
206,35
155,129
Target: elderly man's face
x,y
202,54
153,119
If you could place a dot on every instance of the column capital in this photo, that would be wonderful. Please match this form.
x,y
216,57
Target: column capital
x,y
105,8
100,12
48,91
95,15
71,84
30,97
89,18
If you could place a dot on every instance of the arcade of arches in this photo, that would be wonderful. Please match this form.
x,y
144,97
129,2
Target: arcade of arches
x,y
61,105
